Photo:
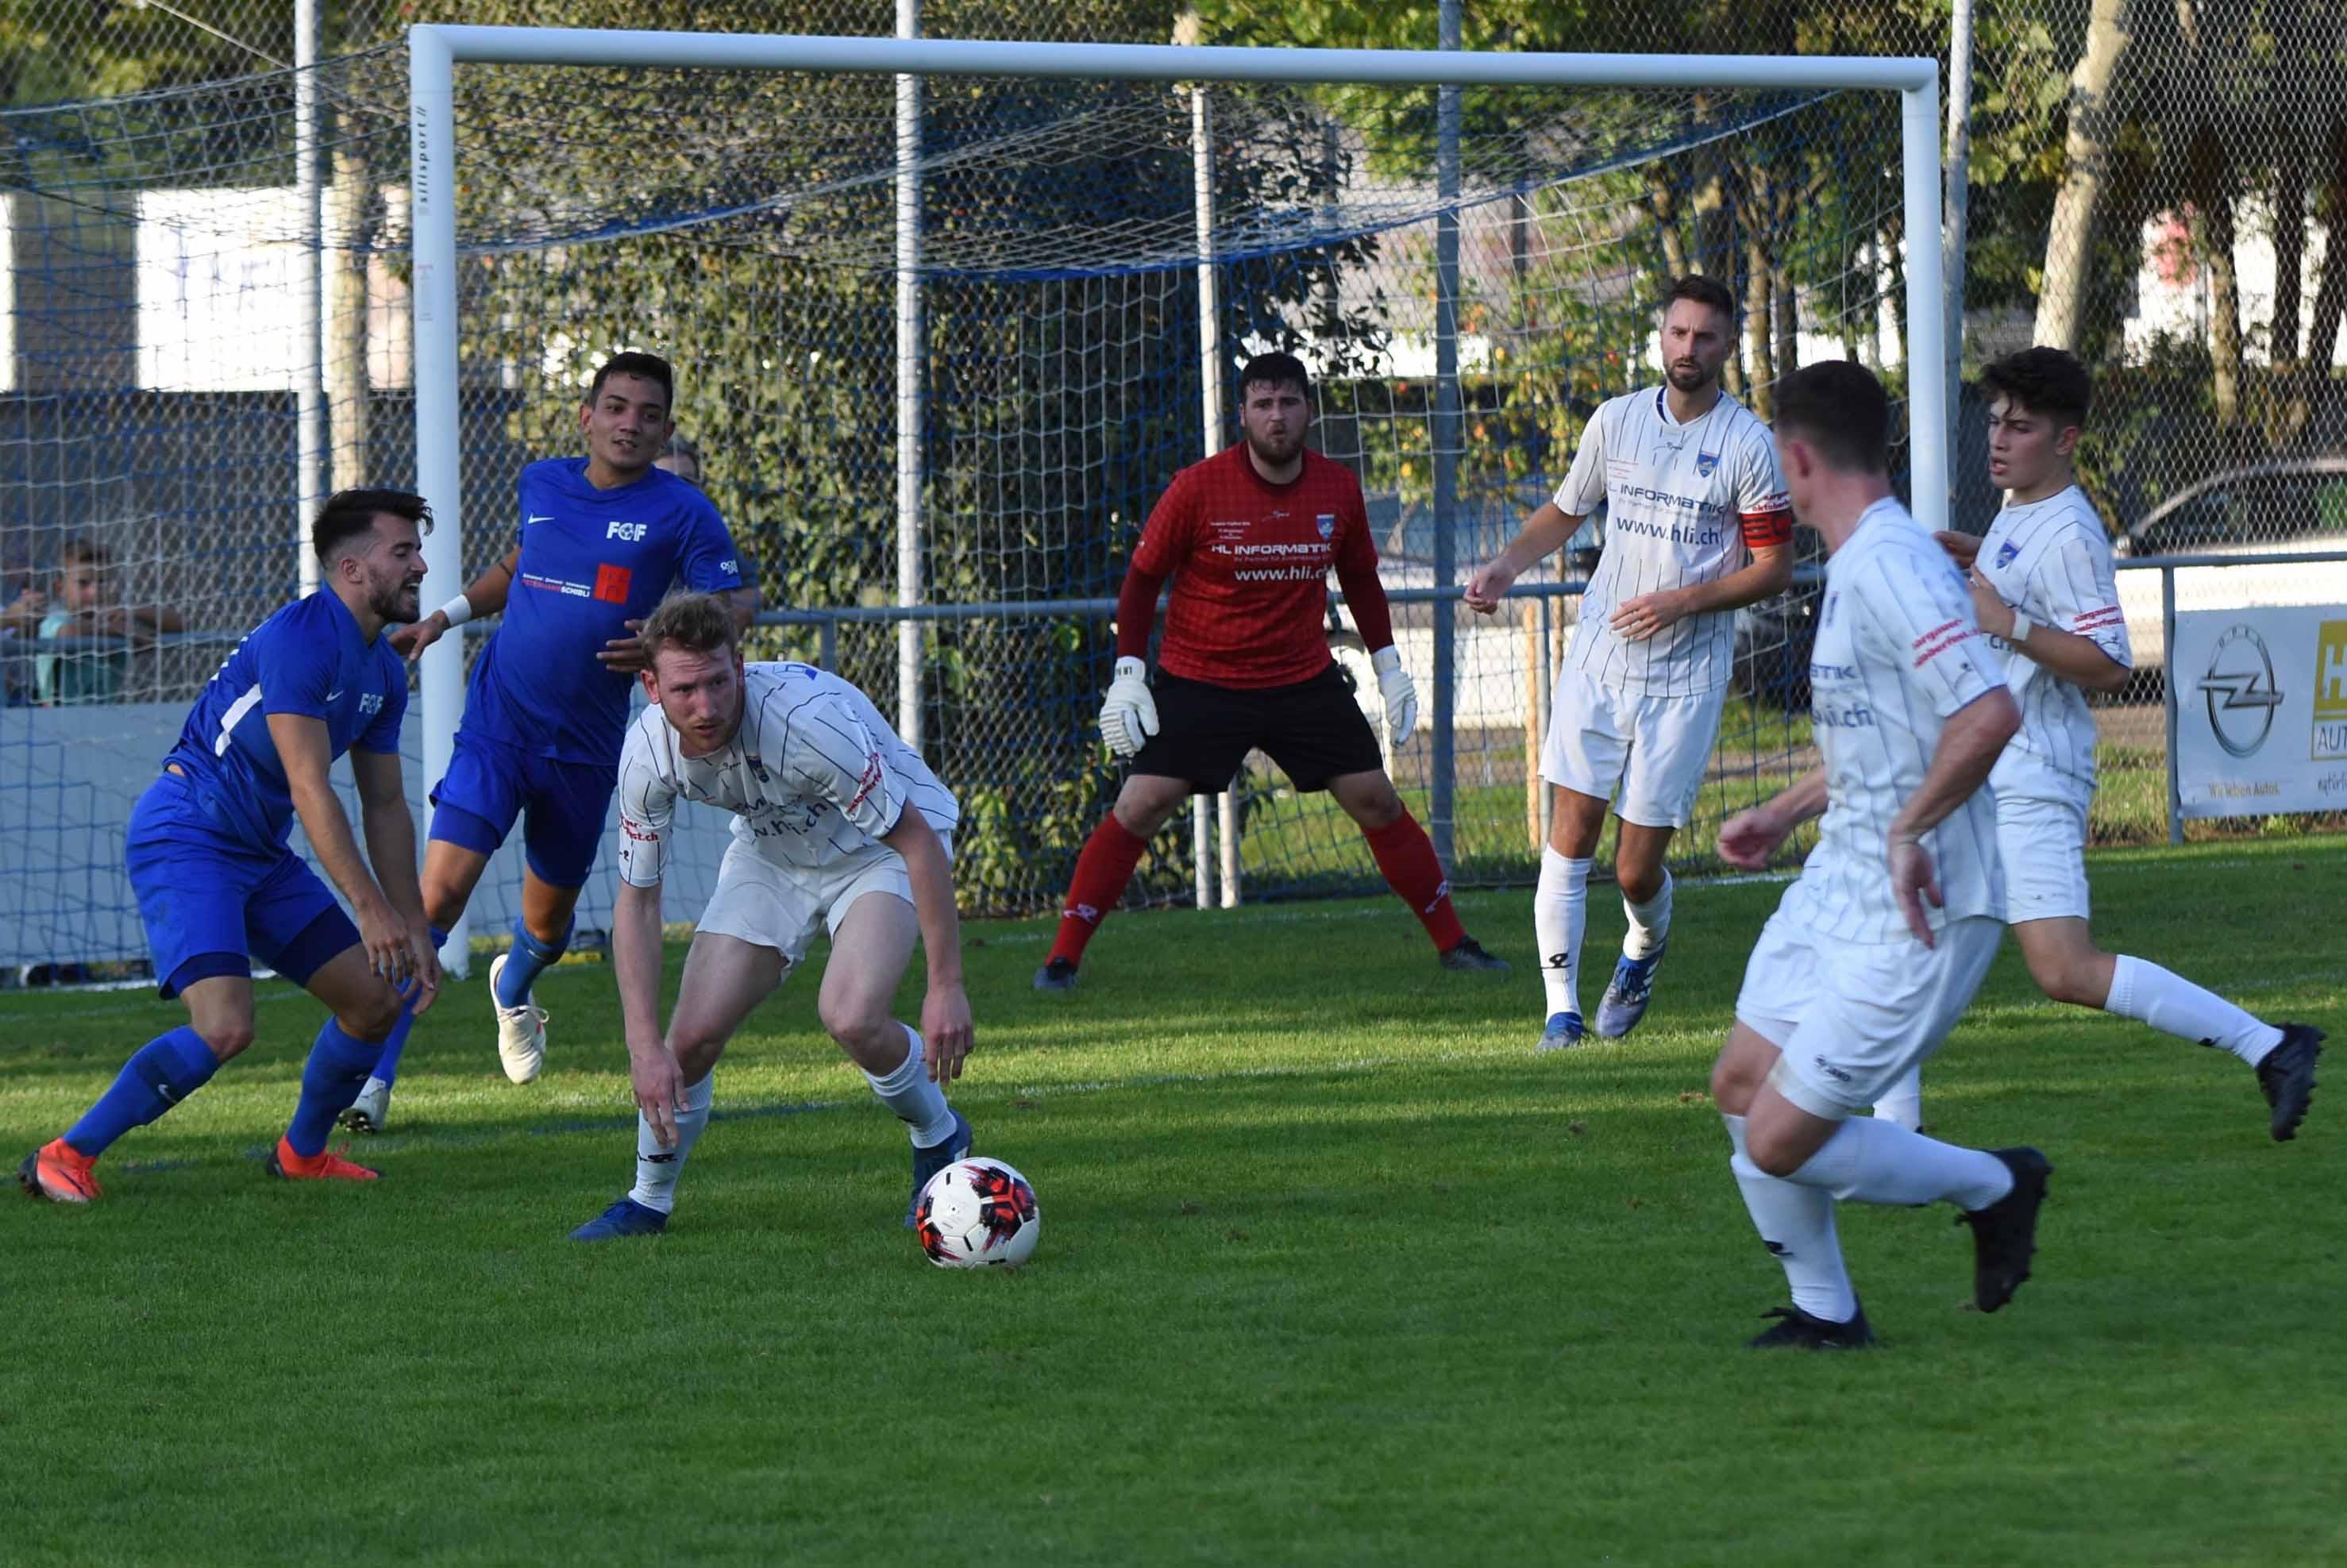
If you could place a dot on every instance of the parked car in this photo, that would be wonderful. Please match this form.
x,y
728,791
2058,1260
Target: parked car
x,y
2287,505
1774,637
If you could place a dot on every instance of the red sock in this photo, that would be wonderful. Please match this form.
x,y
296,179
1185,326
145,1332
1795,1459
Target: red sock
x,y
1101,871
1406,856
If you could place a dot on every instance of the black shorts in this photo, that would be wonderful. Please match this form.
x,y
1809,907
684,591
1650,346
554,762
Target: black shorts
x,y
1314,730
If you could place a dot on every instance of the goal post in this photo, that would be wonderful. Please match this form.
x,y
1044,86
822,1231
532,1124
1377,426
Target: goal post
x,y
437,165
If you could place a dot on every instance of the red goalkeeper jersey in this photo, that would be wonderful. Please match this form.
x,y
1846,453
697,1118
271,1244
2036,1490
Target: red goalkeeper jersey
x,y
1250,562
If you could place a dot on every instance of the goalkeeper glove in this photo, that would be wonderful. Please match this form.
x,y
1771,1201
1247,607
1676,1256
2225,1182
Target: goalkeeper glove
x,y
1129,714
1399,692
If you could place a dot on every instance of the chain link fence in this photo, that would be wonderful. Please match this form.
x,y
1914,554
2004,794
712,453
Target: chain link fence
x,y
153,239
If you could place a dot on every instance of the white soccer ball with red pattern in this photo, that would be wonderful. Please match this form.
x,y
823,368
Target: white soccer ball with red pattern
x,y
977,1213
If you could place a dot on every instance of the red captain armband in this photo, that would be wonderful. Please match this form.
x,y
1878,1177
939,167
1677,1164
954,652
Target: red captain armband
x,y
1765,530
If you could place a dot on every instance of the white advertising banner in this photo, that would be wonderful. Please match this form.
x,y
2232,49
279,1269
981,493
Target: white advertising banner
x,y
2261,710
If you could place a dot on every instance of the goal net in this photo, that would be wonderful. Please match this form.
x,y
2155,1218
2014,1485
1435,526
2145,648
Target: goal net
x,y
940,342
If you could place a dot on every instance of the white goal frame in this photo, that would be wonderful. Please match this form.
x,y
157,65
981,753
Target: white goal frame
x,y
434,50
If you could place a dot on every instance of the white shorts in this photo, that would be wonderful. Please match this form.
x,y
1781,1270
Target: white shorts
x,y
1852,1017
1652,751
2043,843
781,907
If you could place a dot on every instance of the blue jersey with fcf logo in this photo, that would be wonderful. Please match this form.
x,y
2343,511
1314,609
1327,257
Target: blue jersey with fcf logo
x,y
307,659
591,561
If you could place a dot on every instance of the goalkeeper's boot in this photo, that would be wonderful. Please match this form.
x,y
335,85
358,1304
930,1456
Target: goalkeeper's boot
x,y
325,1165
371,1111
2005,1234
60,1173
1469,957
1627,993
1562,1033
521,1032
1798,1330
1059,974
928,1162
626,1217
2287,1076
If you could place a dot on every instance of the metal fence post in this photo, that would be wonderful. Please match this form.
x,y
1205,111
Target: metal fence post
x,y
2168,691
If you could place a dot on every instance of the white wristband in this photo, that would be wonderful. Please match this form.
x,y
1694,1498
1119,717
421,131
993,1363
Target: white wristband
x,y
458,610
2021,629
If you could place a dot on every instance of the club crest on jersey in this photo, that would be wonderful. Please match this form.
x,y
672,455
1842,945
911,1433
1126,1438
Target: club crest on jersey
x,y
1326,523
757,768
2005,552
1705,462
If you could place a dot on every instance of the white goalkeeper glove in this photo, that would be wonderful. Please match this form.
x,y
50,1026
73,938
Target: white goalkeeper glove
x,y
1400,694
1129,714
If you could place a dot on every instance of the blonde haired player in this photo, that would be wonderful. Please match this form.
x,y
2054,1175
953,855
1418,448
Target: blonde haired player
x,y
1690,484
2045,590
837,824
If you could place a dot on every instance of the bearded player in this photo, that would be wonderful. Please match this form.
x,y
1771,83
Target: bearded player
x,y
1690,485
1249,537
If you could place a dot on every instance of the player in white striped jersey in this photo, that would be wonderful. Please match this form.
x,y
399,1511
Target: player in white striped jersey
x,y
1877,948
2045,589
1690,485
837,822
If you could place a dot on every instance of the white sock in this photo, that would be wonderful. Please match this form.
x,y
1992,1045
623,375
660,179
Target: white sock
x,y
1903,1102
2173,1005
918,1103
656,1169
1559,916
1650,922
1872,1161
1797,1224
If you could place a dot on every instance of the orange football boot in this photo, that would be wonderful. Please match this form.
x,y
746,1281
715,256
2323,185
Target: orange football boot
x,y
60,1173
325,1165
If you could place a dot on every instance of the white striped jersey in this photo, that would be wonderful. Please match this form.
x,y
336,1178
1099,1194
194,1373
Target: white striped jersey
x,y
1898,652
2050,559
814,775
1682,502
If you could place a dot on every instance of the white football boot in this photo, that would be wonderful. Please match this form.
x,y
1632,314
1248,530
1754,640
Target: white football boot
x,y
521,1032
371,1111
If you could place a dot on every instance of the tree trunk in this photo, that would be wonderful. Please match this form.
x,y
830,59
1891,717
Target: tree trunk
x,y
1663,200
2278,394
2331,294
344,274
2209,178
1784,308
1760,285
2085,158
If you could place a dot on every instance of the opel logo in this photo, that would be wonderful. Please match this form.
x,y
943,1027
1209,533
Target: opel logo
x,y
2239,690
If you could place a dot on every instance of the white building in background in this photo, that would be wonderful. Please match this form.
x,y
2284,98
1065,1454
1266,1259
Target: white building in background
x,y
2171,291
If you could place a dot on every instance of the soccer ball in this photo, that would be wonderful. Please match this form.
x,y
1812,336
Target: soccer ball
x,y
977,1213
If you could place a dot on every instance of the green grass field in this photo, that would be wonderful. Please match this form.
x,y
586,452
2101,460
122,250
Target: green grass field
x,y
1333,1270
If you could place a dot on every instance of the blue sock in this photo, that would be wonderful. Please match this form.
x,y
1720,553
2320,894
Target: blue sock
x,y
337,1069
525,963
387,1066
166,1070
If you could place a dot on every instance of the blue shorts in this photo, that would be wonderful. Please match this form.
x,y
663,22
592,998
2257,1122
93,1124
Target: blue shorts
x,y
211,902
563,806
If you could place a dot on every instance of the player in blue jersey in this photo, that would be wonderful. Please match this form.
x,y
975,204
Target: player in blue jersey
x,y
601,538
217,886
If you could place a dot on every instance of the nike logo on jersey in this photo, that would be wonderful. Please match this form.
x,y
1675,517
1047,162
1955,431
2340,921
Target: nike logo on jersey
x,y
546,517
335,695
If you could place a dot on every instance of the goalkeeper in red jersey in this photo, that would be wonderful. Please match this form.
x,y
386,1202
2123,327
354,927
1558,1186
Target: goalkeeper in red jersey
x,y
1249,537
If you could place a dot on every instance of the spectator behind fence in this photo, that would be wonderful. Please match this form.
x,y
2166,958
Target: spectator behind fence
x,y
85,605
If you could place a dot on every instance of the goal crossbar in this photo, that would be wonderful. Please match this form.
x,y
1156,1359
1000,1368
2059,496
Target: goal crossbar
x,y
435,50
